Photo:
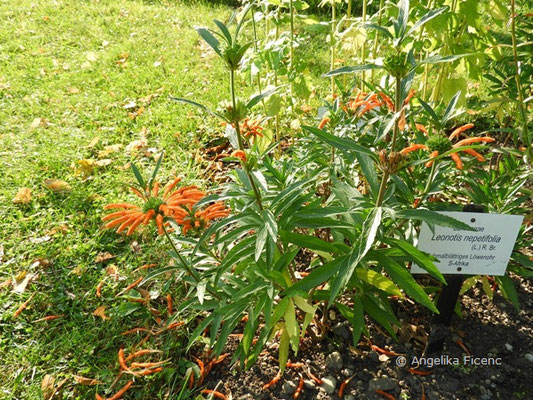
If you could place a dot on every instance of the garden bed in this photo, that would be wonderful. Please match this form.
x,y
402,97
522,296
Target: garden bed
x,y
489,329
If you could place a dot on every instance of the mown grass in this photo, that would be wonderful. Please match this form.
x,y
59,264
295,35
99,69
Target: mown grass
x,y
61,62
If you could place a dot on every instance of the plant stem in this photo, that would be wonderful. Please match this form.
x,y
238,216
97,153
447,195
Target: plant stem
x,y
363,50
397,108
375,49
237,127
524,136
187,267
291,55
256,51
386,173
332,66
382,188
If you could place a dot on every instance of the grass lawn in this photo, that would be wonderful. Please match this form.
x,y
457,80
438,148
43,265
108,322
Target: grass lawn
x,y
84,89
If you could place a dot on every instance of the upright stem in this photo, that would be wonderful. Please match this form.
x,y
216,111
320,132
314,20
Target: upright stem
x,y
291,56
187,267
349,11
333,20
256,51
363,50
524,136
237,127
375,49
386,173
397,108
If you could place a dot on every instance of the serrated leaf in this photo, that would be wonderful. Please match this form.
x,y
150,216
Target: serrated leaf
x,y
335,141
352,69
316,277
368,235
375,279
422,260
283,350
403,278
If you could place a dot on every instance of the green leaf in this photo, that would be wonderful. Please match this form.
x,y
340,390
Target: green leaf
x,y
417,256
425,18
368,235
335,141
201,106
379,314
356,317
433,218
508,290
403,17
279,310
369,171
271,224
283,350
352,69
156,170
210,39
379,28
377,280
138,175
257,98
304,305
444,59
291,325
224,31
313,243
450,108
403,278
316,277
435,119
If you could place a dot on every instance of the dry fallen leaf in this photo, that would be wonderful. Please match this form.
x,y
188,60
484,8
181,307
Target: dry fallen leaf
x,y
23,196
94,142
78,271
21,281
36,123
112,271
100,312
109,150
5,283
103,163
103,257
91,56
47,386
85,167
57,185
41,239
86,381
74,90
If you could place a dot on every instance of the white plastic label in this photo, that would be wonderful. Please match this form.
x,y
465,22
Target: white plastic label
x,y
485,251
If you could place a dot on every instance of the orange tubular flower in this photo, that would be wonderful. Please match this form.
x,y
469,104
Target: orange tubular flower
x,y
201,219
251,128
460,130
421,128
432,155
176,204
457,159
387,100
413,147
239,154
409,96
323,123
440,144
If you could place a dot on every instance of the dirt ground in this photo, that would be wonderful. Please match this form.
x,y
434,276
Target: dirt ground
x,y
493,330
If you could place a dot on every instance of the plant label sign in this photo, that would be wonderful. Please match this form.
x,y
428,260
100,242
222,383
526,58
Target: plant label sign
x,y
485,251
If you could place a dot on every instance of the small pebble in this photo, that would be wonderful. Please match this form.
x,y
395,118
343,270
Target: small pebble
x,y
329,384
